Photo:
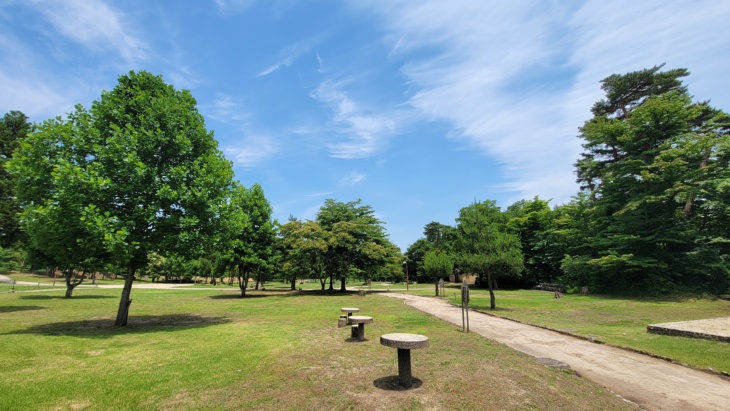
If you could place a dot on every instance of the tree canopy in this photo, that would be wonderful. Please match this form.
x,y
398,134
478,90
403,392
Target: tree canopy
x,y
655,169
485,245
139,170
14,126
356,240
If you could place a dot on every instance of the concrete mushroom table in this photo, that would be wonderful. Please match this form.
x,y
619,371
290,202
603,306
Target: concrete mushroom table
x,y
349,311
404,343
360,320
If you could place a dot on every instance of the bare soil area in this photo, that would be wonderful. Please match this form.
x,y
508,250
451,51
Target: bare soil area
x,y
652,383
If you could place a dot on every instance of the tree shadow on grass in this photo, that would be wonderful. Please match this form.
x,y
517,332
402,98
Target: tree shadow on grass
x,y
237,296
104,328
390,383
320,293
60,297
486,310
11,309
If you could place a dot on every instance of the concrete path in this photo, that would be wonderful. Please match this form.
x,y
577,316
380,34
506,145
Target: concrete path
x,y
651,383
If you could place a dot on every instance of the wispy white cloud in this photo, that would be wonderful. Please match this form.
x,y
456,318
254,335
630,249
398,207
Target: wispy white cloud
x,y
250,150
287,55
321,64
248,147
516,79
33,96
326,193
41,73
226,109
362,133
229,7
352,179
621,36
93,24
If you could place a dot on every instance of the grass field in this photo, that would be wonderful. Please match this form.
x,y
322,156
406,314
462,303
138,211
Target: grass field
x,y
208,349
617,321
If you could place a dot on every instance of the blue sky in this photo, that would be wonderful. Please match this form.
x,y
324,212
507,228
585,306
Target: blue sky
x,y
416,107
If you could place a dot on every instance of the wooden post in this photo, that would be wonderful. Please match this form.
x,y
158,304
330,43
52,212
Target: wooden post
x,y
465,306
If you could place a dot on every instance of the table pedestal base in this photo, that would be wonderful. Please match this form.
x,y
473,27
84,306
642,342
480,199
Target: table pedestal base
x,y
404,368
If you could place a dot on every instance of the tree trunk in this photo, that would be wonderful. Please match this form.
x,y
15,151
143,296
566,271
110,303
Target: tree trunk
x,y
437,289
124,303
492,305
242,283
343,288
689,205
331,281
294,283
70,283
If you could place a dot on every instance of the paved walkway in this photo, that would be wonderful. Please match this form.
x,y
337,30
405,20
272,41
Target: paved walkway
x,y
652,383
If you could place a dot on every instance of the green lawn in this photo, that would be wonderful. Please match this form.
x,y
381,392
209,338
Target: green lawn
x,y
208,349
617,321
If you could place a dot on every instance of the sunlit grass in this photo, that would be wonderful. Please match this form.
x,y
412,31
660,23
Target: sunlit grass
x,y
613,320
197,349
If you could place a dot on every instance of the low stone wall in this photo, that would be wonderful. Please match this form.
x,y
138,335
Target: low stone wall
x,y
654,329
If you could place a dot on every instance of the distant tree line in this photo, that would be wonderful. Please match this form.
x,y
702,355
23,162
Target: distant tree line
x,y
652,215
136,186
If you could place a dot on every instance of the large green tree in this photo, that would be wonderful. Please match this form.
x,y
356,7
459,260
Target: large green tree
x,y
440,236
414,256
254,238
356,240
437,236
486,246
655,167
437,264
55,188
534,222
13,127
305,246
148,175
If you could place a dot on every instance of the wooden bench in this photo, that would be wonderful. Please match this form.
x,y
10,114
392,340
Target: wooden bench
x,y
404,343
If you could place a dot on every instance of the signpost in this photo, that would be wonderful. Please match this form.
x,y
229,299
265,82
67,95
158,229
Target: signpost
x,y
465,306
407,281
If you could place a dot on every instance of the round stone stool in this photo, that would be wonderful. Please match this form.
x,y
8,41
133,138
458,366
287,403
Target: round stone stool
x,y
349,311
404,343
360,320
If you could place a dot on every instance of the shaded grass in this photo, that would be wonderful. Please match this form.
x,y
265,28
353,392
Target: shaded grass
x,y
199,350
614,320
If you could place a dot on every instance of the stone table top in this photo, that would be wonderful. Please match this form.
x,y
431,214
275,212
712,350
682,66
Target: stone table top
x,y
404,341
360,319
350,310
